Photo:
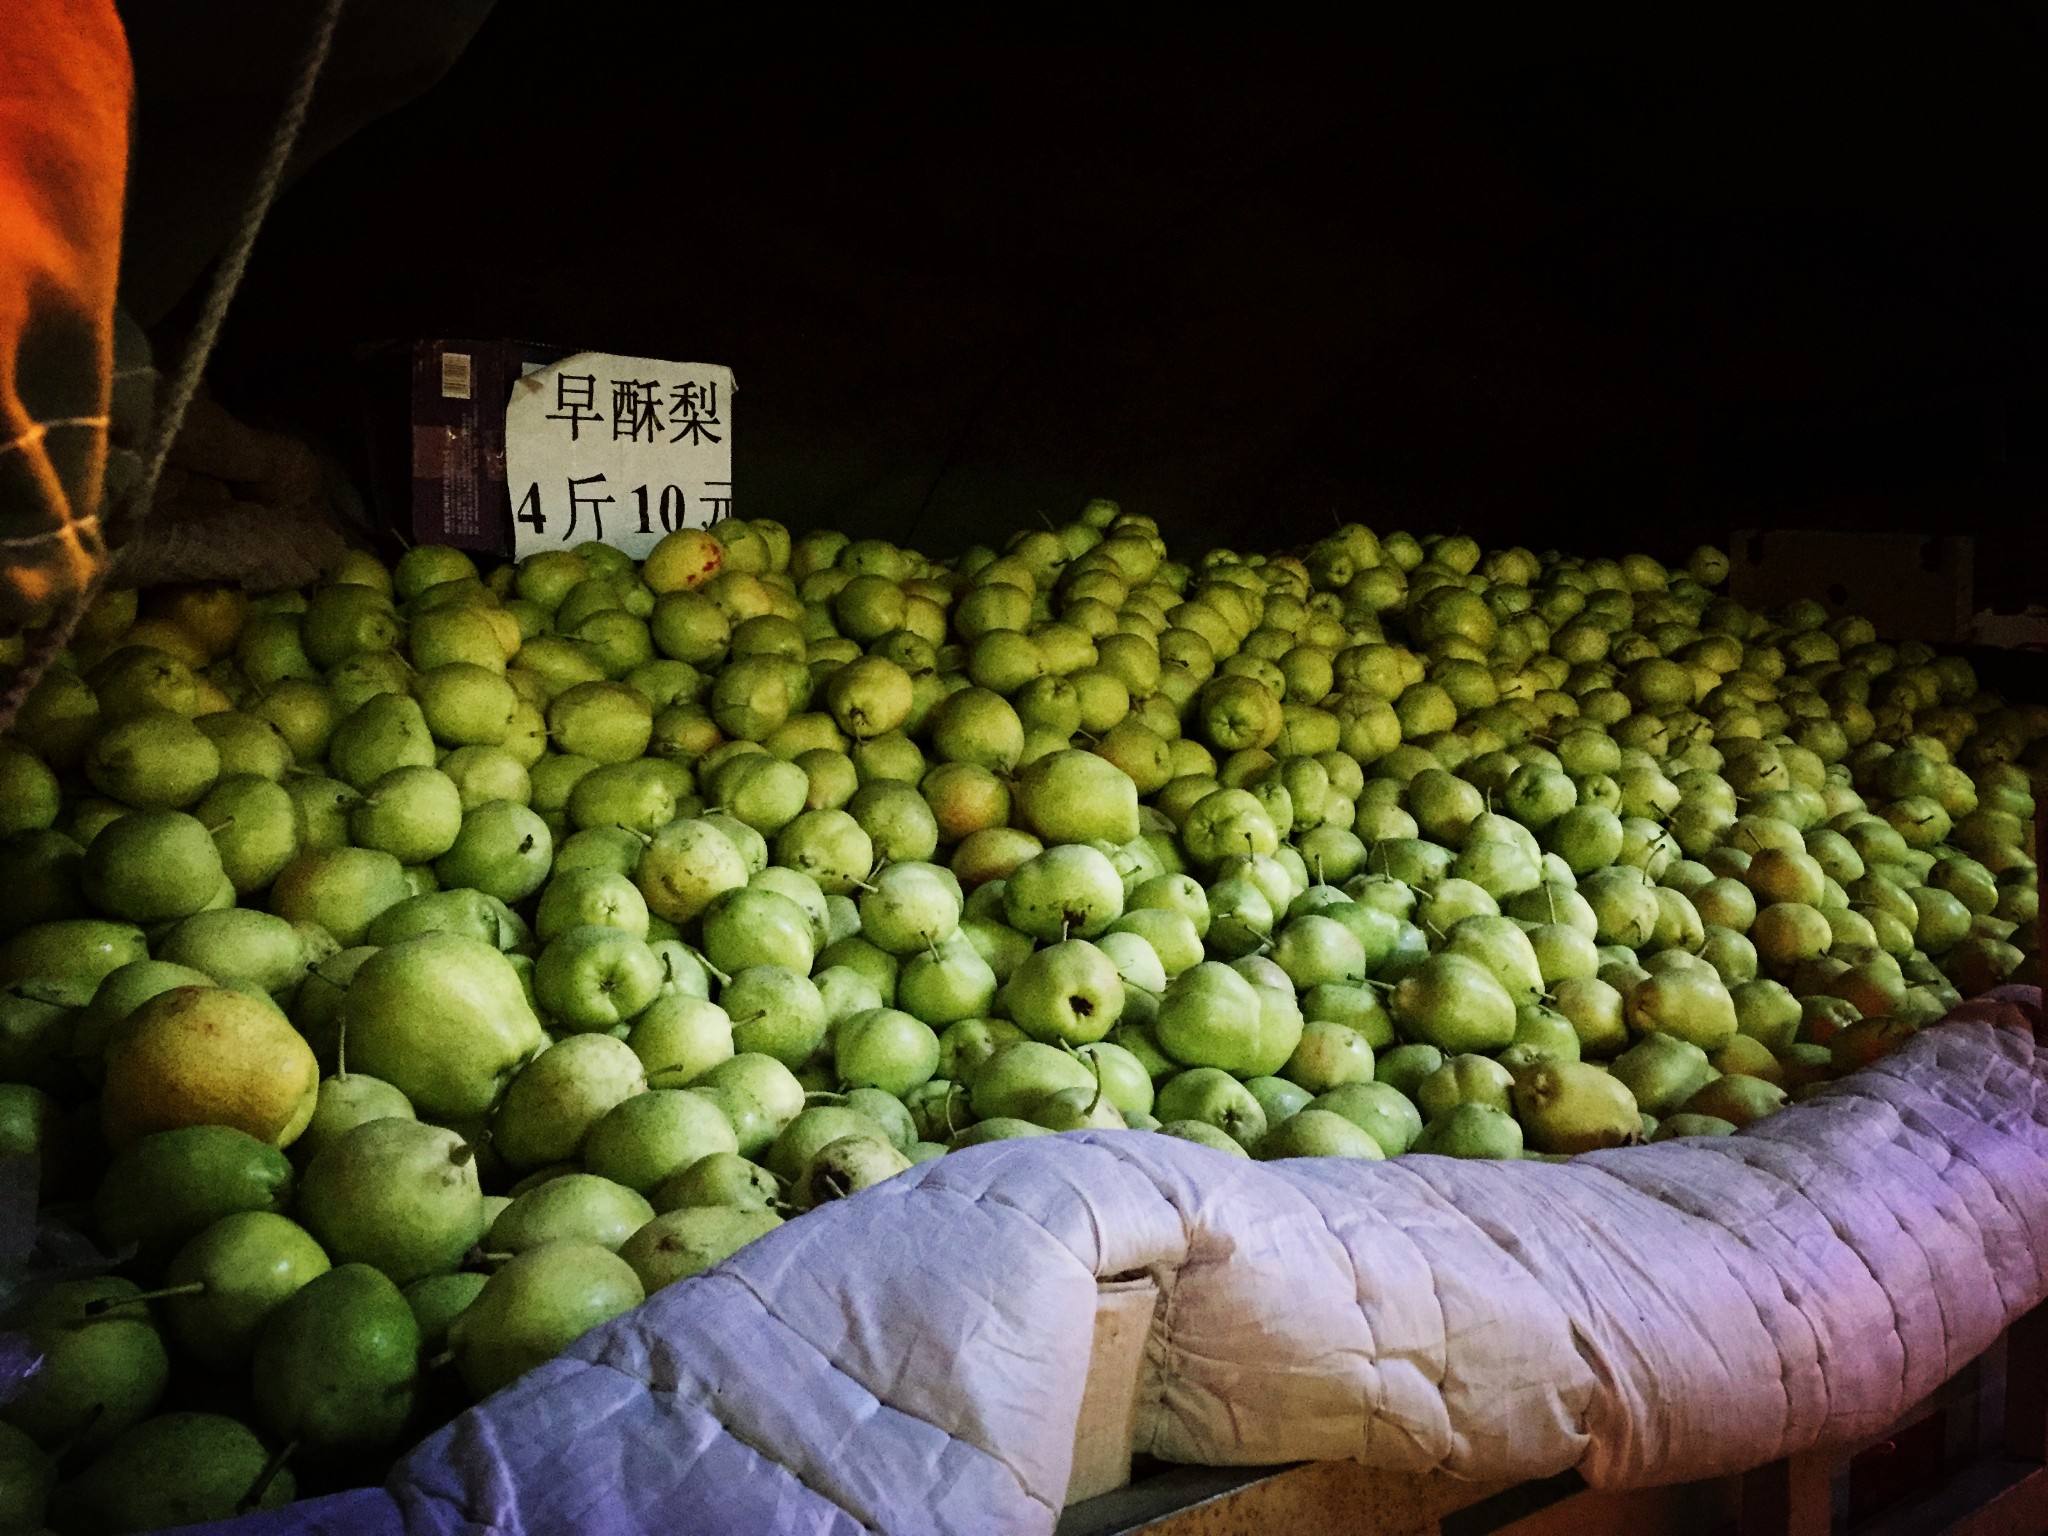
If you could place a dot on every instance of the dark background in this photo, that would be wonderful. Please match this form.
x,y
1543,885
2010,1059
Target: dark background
x,y
1563,285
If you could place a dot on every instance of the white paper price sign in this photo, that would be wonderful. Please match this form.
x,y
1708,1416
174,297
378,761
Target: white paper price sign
x,y
623,449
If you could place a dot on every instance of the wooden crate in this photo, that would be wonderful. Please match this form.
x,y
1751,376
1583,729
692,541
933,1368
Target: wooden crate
x,y
1972,1460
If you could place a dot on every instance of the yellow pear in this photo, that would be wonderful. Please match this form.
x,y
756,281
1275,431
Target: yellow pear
x,y
208,1056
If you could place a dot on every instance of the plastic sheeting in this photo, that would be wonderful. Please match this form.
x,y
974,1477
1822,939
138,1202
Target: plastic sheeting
x,y
912,1360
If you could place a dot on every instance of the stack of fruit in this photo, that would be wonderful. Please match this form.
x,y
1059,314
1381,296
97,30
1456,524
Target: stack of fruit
x,y
400,977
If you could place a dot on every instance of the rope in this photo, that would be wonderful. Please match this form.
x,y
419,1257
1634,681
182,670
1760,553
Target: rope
x,y
227,277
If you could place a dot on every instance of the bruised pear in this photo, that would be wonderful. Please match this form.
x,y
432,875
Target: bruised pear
x,y
847,1166
1570,1106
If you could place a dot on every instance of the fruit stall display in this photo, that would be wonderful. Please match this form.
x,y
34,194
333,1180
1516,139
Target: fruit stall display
x,y
403,976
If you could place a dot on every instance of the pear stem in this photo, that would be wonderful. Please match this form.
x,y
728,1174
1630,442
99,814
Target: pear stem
x,y
107,1304
705,960
265,1478
436,1362
340,1048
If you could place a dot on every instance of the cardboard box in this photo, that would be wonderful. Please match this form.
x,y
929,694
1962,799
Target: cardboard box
x,y
459,390
1105,1433
1912,586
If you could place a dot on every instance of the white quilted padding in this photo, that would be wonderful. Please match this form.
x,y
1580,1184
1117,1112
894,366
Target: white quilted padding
x,y
912,1359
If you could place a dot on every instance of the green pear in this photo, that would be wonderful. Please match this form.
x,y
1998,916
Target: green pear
x,y
27,1474
239,944
556,1098
1405,1066
1204,1134
462,911
1662,1072
688,863
577,1206
1280,1022
946,984
650,1137
763,1079
1068,992
690,1239
535,1307
1207,1094
337,1364
163,1190
1690,1003
1077,1109
1454,1003
386,732
1674,1127
1126,1081
1504,949
177,1469
1472,1130
679,1038
1738,1099
1383,1112
967,1046
1017,1075
502,849
777,1012
578,896
721,1178
103,1364
1320,1133
596,977
442,1017
44,883
817,1128
342,1104
1598,1015
246,1265
1210,1016
152,867
70,957
1466,1079
395,1194
36,1040
155,760
1575,1107
316,1007
1276,1096
344,890
437,1301
886,1049
846,1166
1077,797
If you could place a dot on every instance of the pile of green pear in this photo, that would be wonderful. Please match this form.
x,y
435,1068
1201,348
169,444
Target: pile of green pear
x,y
400,977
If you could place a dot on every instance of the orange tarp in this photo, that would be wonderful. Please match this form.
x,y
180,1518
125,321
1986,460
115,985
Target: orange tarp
x,y
65,86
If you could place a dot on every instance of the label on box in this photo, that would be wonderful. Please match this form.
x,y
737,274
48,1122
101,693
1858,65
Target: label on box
x,y
622,449
459,389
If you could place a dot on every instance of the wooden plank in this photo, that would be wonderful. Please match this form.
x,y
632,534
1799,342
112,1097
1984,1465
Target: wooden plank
x,y
1790,1497
1328,1498
1675,1509
1990,1498
2026,1385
